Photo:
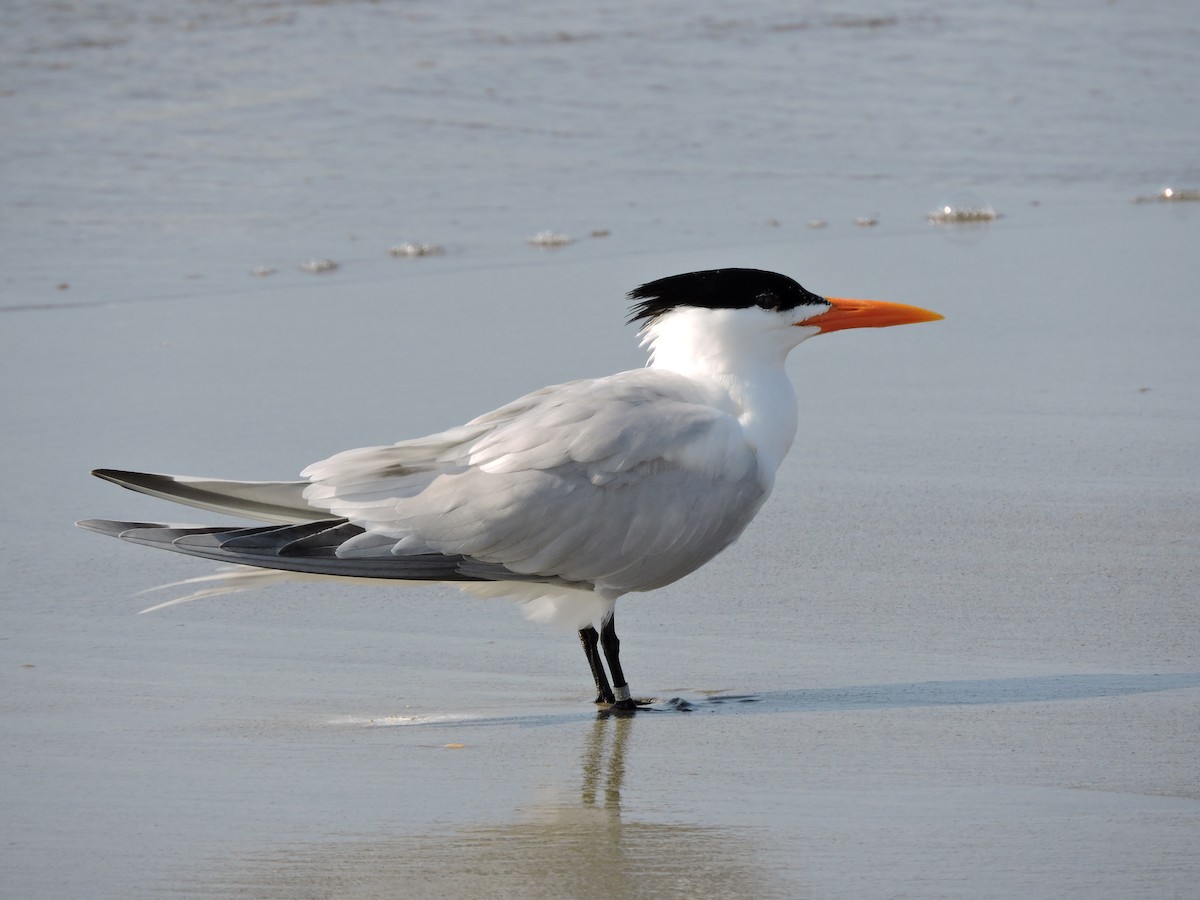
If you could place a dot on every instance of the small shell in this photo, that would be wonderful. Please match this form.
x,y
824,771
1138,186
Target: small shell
x,y
1171,195
316,266
955,215
549,239
411,249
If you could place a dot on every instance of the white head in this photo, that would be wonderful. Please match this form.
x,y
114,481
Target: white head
x,y
732,329
729,320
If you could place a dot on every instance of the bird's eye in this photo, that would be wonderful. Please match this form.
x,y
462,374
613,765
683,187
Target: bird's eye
x,y
766,300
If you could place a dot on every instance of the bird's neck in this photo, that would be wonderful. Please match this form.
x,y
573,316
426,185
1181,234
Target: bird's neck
x,y
743,377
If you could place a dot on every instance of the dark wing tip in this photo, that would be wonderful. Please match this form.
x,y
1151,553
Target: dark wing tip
x,y
122,477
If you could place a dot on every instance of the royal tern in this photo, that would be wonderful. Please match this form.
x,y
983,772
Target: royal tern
x,y
564,499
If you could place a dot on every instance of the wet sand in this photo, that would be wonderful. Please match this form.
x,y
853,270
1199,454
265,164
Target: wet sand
x,y
958,653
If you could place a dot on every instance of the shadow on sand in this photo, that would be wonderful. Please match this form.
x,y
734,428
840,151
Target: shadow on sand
x,y
1038,689
915,694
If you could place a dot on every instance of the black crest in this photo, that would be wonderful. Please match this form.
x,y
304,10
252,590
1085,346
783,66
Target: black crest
x,y
720,289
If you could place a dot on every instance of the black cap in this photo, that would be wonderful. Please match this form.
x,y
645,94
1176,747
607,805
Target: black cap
x,y
720,289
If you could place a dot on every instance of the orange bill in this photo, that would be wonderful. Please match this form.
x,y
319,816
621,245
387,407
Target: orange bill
x,y
847,313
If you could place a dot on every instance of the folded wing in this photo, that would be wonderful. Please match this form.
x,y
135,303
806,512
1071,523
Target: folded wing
x,y
625,483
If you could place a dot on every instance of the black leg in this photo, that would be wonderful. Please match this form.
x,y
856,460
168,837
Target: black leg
x,y
612,653
589,638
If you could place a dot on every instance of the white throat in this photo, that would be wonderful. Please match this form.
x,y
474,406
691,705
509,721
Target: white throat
x,y
739,356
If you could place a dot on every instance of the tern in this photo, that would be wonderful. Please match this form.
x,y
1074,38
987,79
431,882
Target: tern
x,y
564,499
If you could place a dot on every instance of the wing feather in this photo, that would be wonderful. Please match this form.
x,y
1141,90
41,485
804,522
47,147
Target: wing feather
x,y
627,482
267,501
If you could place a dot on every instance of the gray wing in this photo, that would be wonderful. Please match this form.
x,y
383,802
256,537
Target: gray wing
x,y
626,483
309,548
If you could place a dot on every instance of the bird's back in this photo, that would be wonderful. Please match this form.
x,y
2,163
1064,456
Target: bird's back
x,y
626,483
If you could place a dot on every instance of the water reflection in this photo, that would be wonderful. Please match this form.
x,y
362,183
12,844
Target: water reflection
x,y
579,844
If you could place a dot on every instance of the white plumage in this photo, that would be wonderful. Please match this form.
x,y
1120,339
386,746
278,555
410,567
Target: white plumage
x,y
564,499
626,483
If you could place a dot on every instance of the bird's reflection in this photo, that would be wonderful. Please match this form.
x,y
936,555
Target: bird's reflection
x,y
577,841
584,843
605,771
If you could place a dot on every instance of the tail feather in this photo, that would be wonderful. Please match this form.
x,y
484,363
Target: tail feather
x,y
281,502
299,542
230,580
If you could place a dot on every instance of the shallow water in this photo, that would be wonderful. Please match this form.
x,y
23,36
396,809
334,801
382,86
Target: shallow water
x,y
956,656
170,151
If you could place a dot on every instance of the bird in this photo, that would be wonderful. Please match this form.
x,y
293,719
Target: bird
x,y
564,499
